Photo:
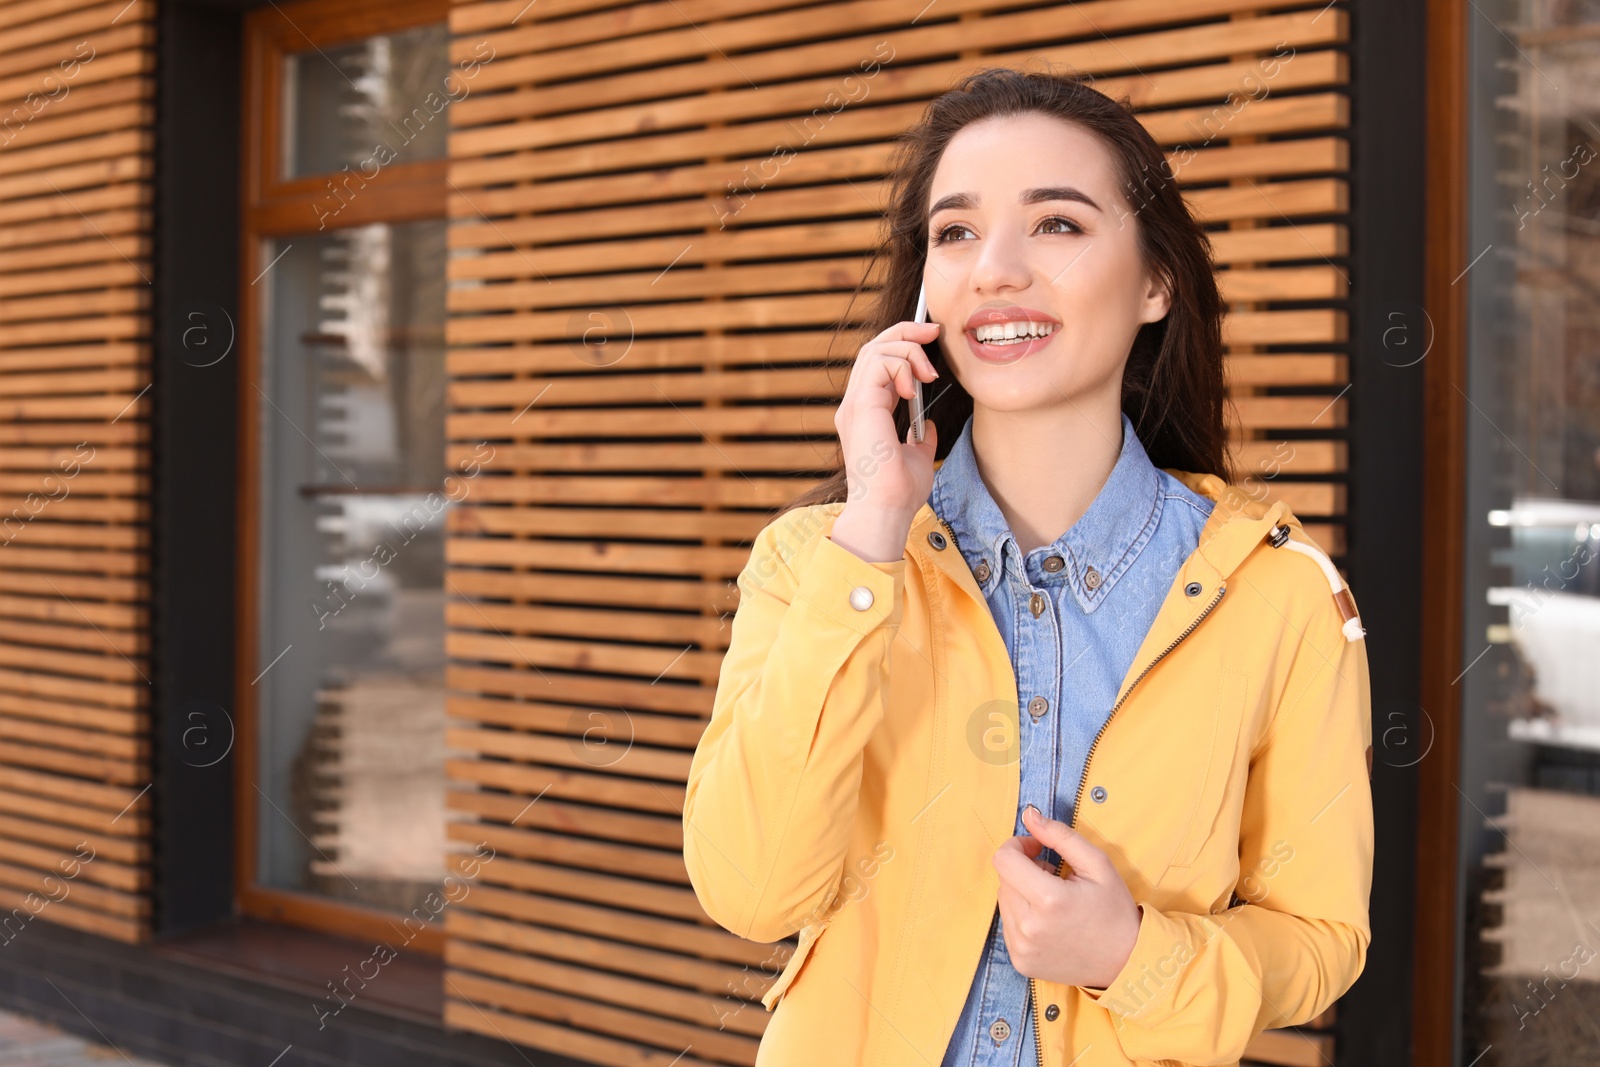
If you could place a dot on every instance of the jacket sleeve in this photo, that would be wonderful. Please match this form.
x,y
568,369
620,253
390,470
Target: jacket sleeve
x,y
1198,988
772,790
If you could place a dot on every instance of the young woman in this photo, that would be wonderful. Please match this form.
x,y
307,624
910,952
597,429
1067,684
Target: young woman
x,y
1059,752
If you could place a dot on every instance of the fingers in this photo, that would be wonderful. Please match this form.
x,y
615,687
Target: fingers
x,y
902,374
908,338
1079,852
1022,874
892,363
899,369
909,352
922,332
930,436
1032,846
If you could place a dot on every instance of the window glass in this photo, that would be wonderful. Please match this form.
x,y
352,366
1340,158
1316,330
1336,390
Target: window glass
x,y
344,101
352,511
1530,782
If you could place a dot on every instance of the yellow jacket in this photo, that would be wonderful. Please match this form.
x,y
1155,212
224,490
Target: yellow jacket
x,y
851,786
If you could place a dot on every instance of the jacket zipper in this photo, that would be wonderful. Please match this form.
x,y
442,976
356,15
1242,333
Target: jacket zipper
x,y
1033,990
953,539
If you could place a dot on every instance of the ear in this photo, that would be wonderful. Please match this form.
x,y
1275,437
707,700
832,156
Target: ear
x,y
1157,300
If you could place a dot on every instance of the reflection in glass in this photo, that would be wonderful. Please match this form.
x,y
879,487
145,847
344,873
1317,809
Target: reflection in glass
x,y
1530,817
345,101
352,511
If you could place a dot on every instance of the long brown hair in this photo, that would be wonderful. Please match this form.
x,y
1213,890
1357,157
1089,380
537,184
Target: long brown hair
x,y
1172,387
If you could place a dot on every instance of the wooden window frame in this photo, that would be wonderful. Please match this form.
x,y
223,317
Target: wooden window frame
x,y
275,207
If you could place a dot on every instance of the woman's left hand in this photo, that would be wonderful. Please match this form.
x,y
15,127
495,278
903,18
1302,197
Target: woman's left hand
x,y
1076,930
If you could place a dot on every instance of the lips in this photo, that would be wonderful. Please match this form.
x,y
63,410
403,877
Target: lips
x,y
1014,349
1003,313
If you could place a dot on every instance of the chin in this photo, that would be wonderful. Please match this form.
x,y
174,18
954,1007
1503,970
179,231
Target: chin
x,y
1019,388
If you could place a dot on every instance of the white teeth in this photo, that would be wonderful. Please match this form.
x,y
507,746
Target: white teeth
x,y
1014,331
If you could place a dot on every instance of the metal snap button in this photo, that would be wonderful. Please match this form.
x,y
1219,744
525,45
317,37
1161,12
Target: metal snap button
x,y
1054,563
1099,794
1192,589
861,598
999,1030
981,571
1038,706
1092,579
1051,1012
936,539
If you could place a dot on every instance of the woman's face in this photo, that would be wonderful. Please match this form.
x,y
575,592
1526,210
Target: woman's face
x,y
1029,228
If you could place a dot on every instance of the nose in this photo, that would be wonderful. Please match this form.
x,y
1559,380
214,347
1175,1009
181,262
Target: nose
x,y
1001,262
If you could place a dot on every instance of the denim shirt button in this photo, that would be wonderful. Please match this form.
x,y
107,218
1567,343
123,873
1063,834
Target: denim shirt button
x,y
1054,563
981,571
999,1030
1092,579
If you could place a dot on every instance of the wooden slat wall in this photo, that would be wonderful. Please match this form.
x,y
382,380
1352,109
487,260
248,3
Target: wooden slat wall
x,y
76,90
591,568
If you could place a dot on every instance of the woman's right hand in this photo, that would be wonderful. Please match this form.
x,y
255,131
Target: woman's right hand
x,y
887,480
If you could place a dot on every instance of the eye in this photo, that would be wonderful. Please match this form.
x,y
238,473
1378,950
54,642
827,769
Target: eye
x,y
1073,226
943,236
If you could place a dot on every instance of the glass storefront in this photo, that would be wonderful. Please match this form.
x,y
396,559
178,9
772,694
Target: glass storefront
x,y
1529,877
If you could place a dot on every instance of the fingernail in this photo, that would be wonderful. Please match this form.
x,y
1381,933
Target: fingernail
x,y
1029,808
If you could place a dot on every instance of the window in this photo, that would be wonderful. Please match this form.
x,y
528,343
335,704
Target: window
x,y
343,498
1530,758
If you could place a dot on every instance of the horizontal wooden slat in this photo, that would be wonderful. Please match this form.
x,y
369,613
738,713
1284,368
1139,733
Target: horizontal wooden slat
x,y
74,914
650,897
688,972
632,759
573,721
531,993
584,915
539,780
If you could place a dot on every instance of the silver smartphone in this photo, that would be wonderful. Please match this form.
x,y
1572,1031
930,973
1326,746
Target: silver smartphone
x,y
916,397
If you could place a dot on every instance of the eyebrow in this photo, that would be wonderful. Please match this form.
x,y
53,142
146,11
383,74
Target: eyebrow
x,y
1029,196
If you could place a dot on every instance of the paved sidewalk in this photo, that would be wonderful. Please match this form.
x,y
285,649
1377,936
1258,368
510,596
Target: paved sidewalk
x,y
26,1043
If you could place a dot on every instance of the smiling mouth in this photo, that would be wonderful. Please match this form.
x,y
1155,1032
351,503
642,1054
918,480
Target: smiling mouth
x,y
1013,333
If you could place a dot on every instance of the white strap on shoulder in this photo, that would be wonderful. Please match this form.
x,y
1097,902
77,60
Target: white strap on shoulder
x,y
1353,630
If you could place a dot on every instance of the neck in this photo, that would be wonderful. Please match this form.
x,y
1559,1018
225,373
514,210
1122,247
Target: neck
x,y
1045,467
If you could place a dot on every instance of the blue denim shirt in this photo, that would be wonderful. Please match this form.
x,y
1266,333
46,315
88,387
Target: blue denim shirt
x,y
1099,587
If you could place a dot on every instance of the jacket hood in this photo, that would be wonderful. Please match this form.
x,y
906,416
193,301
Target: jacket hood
x,y
1239,521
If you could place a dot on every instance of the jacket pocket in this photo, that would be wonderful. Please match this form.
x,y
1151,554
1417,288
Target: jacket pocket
x,y
791,970
1219,756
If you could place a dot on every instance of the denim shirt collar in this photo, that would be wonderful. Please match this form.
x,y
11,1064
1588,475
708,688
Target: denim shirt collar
x,y
1106,539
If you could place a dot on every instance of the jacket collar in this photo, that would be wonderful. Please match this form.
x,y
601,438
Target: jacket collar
x,y
1237,525
1108,537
